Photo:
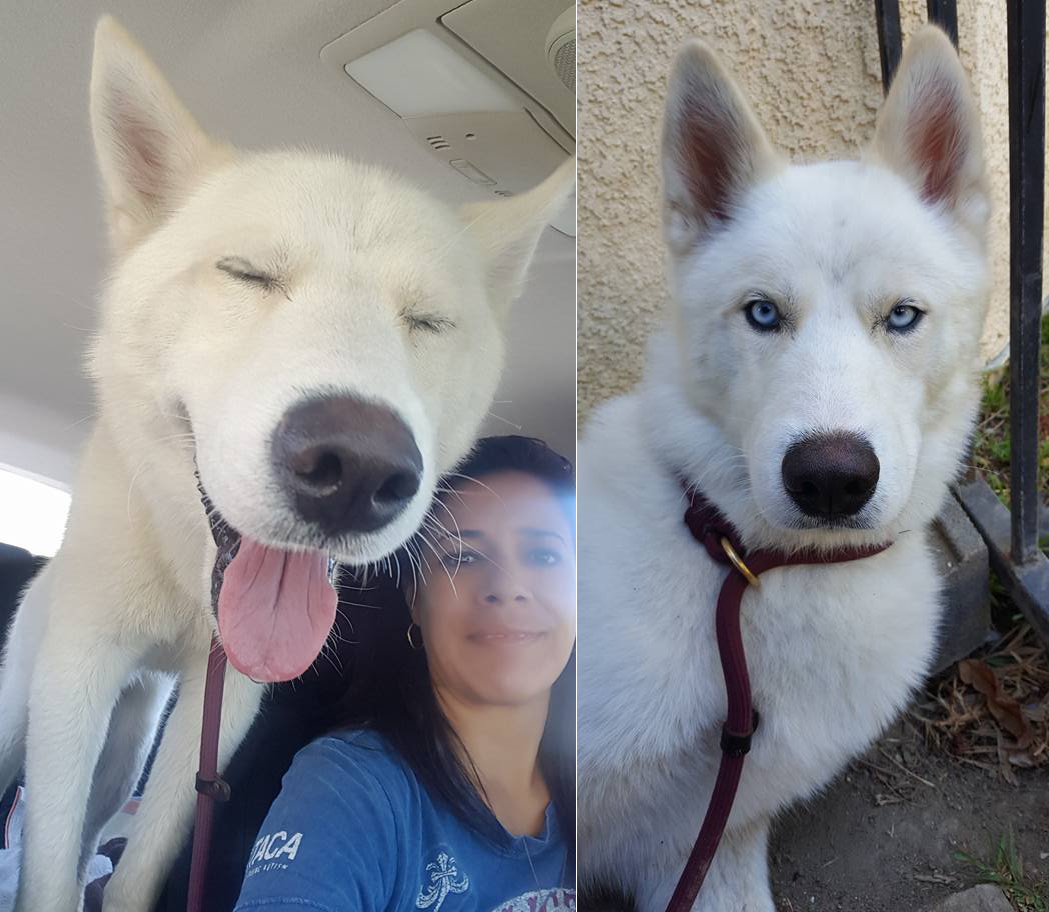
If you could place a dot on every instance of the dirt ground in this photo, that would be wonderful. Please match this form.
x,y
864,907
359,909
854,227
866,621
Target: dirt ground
x,y
885,836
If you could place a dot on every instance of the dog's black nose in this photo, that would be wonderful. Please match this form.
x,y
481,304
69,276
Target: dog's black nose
x,y
349,465
831,475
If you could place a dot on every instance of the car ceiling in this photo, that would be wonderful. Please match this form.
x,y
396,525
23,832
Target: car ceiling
x,y
251,74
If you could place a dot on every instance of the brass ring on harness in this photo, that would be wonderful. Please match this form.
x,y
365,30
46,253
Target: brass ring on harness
x,y
737,562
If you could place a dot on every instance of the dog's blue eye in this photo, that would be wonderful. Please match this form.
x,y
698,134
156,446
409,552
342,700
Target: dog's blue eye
x,y
763,315
903,317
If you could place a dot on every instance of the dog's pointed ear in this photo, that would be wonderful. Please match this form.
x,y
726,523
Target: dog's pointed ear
x,y
713,147
928,130
508,231
149,147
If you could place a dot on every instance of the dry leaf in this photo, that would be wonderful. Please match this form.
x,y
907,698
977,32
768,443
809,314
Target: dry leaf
x,y
1004,708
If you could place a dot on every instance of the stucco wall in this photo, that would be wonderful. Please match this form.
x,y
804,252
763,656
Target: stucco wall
x,y
812,71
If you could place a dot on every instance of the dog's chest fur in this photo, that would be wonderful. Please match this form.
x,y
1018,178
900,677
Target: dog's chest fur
x,y
833,653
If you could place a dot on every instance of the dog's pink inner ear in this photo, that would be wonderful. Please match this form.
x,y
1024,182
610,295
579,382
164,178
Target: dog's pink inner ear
x,y
140,147
936,139
709,148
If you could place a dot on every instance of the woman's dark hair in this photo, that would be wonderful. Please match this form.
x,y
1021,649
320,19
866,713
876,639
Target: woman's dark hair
x,y
391,692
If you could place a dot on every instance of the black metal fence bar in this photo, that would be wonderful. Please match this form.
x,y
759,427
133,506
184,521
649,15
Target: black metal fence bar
x,y
890,39
1026,41
945,14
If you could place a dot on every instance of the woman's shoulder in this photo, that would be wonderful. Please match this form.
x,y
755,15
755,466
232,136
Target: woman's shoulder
x,y
351,775
363,755
309,852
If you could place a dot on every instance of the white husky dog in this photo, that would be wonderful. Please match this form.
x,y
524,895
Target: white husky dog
x,y
817,383
322,342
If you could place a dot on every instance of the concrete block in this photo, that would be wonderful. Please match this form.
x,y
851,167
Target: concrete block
x,y
984,898
962,559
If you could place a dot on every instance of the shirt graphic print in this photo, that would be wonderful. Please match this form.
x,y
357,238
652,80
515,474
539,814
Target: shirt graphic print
x,y
444,878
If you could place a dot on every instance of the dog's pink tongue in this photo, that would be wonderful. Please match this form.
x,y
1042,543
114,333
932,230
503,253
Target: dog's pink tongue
x,y
276,609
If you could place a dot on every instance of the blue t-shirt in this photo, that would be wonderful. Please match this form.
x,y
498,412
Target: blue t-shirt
x,y
353,829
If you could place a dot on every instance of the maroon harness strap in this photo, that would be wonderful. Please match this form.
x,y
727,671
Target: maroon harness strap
x,y
717,535
210,786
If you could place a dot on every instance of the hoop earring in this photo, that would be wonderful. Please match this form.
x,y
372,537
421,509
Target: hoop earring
x,y
411,642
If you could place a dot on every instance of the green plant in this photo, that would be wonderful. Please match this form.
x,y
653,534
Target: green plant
x,y
991,450
1004,868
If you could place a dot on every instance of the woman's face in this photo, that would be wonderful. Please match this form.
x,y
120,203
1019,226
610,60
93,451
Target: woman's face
x,y
498,614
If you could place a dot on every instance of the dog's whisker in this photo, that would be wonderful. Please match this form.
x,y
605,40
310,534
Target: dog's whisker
x,y
451,516
451,491
413,566
80,421
477,482
507,421
423,536
434,524
131,487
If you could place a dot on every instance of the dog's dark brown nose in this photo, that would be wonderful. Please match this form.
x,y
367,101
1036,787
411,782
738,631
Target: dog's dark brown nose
x,y
349,465
831,475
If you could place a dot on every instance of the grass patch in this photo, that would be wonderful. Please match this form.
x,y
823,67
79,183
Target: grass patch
x,y
1004,868
991,454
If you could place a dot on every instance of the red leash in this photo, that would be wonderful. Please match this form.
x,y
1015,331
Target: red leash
x,y
721,541
211,787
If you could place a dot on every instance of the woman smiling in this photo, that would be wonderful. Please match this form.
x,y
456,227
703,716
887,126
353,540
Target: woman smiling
x,y
452,785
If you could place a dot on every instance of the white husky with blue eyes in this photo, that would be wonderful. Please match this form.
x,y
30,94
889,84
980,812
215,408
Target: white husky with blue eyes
x,y
818,383
322,341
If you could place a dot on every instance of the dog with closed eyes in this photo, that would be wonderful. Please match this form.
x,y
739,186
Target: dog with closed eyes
x,y
816,382
311,341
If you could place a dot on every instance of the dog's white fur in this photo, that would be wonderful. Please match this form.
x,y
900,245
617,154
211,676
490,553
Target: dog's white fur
x,y
189,359
833,650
